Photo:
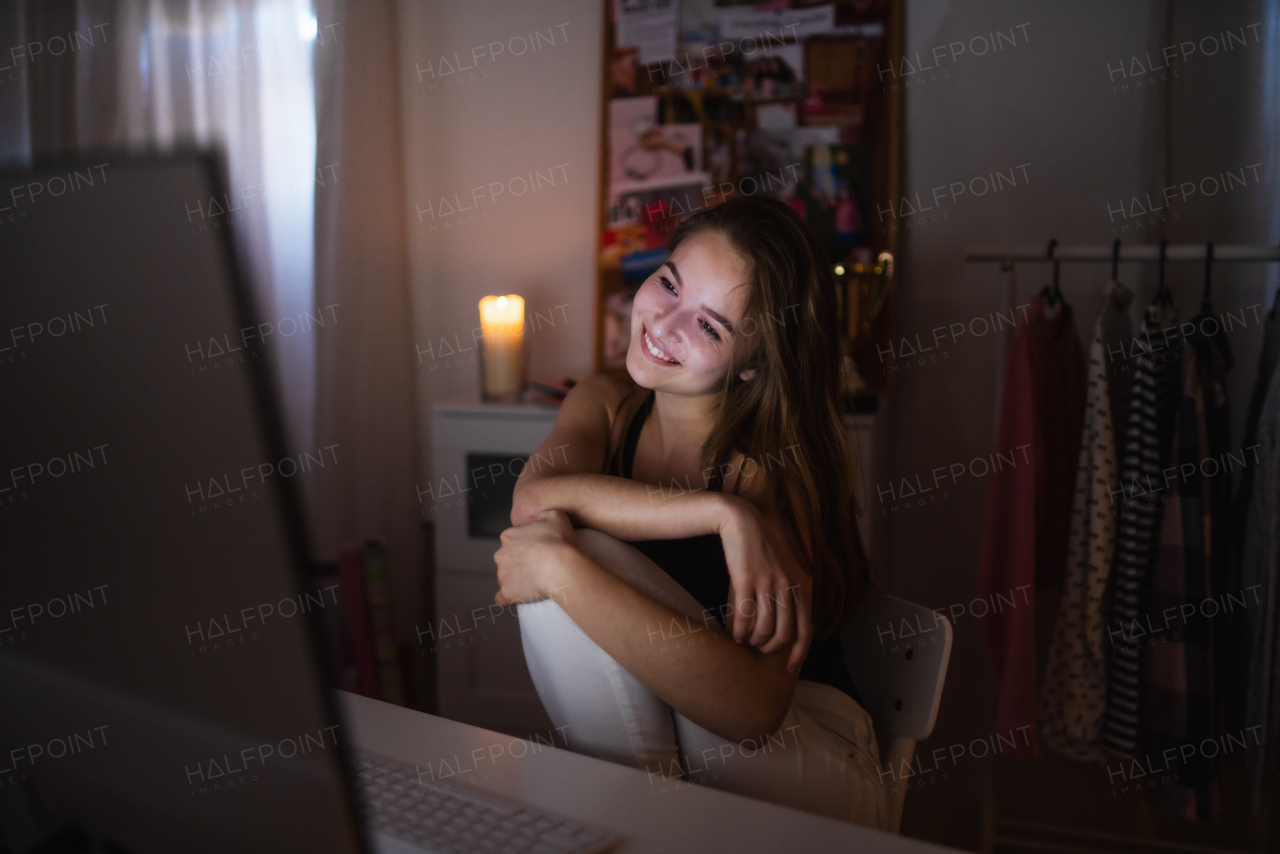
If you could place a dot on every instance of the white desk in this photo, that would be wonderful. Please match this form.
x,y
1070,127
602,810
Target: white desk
x,y
688,818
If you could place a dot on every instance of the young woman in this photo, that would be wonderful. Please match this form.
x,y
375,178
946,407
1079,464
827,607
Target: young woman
x,y
689,527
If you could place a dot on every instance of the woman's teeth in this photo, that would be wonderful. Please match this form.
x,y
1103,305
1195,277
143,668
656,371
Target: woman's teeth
x,y
655,351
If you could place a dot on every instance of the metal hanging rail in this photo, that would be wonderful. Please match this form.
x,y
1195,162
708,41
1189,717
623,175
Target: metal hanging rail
x,y
1128,252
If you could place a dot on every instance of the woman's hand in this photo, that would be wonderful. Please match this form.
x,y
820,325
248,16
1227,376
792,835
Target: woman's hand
x,y
529,556
771,595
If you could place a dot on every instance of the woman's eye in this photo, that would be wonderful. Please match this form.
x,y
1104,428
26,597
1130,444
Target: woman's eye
x,y
706,327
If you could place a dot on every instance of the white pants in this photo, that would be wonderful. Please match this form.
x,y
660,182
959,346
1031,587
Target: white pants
x,y
823,759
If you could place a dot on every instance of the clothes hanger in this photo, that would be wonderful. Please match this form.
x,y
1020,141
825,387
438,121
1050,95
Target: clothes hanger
x,y
1057,291
1163,298
1115,259
1206,309
1052,296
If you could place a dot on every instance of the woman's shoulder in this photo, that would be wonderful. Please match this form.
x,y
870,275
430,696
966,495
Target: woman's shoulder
x,y
612,388
618,394
614,382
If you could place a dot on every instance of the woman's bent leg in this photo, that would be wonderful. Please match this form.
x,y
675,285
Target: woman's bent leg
x,y
606,711
823,759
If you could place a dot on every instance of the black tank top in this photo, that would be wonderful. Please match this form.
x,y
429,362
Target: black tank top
x,y
698,564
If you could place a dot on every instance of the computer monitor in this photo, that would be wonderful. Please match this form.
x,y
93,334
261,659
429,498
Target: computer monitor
x,y
161,676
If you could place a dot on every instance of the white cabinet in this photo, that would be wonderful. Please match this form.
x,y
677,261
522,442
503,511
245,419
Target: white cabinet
x,y
478,449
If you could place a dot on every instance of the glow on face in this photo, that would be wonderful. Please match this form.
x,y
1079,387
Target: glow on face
x,y
686,314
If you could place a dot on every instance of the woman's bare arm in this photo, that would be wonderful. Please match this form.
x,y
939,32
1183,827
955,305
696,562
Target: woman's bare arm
x,y
627,509
564,473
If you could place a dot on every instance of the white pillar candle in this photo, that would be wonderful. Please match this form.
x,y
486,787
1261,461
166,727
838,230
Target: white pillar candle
x,y
502,323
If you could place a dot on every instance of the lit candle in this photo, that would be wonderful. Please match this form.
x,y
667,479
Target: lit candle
x,y
502,322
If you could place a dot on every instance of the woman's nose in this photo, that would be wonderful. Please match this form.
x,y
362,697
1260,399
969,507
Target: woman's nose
x,y
678,329
666,327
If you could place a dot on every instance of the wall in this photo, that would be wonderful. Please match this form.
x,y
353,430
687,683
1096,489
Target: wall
x,y
493,123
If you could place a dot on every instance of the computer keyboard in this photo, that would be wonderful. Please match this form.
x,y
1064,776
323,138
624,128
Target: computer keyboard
x,y
432,818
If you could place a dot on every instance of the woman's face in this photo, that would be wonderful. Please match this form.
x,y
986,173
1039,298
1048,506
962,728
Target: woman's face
x,y
689,310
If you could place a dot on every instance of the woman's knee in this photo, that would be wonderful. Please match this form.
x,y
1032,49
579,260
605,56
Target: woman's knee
x,y
546,619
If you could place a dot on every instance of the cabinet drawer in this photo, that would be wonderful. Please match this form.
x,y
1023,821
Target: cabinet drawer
x,y
482,678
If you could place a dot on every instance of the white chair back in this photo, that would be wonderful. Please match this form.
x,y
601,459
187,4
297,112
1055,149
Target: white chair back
x,y
897,654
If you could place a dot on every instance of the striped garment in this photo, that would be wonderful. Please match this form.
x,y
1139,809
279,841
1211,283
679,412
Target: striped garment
x,y
1185,654
1153,399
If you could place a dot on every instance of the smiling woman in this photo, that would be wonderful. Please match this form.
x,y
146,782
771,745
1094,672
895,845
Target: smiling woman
x,y
732,357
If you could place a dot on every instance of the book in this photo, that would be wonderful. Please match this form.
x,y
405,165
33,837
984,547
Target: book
x,y
352,579
324,586
386,652
550,386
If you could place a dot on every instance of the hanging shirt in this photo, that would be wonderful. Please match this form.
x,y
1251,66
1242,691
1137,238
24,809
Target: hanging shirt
x,y
1073,698
1218,464
1246,668
1240,504
1258,568
1178,674
1148,436
1058,380
1028,503
1175,707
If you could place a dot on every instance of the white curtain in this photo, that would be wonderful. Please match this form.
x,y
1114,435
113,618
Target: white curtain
x,y
1270,134
242,74
367,385
237,74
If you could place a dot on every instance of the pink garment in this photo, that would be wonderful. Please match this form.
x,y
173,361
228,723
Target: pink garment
x,y
1058,380
1029,503
1008,555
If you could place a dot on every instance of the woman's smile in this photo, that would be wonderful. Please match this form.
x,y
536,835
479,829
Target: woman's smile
x,y
656,354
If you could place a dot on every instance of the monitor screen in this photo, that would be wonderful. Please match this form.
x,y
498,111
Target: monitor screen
x,y
162,686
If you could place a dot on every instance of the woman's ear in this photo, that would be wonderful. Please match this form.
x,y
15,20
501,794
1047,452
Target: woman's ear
x,y
747,374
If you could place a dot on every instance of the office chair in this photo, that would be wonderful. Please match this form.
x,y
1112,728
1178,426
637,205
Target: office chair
x,y
897,654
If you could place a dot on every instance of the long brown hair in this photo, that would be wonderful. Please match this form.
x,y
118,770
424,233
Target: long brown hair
x,y
787,416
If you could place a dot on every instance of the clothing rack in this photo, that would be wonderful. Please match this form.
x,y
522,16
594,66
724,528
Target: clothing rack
x,y
1082,453
1128,252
